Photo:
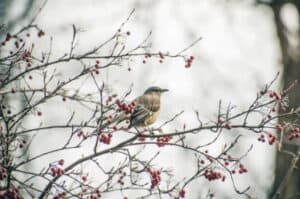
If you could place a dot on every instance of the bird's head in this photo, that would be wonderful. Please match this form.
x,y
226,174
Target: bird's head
x,y
155,90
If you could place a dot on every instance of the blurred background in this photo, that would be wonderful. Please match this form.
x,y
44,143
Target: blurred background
x,y
244,44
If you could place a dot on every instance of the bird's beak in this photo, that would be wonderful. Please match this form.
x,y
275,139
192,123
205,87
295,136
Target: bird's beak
x,y
164,90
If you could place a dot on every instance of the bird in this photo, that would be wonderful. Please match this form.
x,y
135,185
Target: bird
x,y
146,109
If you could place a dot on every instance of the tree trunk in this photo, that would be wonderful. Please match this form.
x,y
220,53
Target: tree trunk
x,y
291,72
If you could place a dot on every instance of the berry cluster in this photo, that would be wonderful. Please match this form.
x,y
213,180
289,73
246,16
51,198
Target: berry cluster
x,y
19,44
155,177
55,171
189,61
242,169
97,196
22,143
122,175
9,37
162,141
127,108
274,94
272,138
3,173
294,133
10,194
261,138
106,139
97,67
211,175
227,160
279,127
82,134
8,112
27,57
60,195
278,97
147,55
227,124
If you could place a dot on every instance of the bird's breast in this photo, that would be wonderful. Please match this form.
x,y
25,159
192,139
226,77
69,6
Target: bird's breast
x,y
152,118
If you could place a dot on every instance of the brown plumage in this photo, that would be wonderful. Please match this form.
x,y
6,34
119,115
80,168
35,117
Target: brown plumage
x,y
146,110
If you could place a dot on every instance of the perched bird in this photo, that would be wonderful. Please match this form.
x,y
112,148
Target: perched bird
x,y
147,107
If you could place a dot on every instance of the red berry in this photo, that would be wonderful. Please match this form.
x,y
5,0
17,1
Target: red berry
x,y
61,162
187,65
228,126
182,193
53,170
80,133
60,172
161,55
41,33
84,136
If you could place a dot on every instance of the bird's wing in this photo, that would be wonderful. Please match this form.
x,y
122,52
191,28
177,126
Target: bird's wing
x,y
139,114
146,105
